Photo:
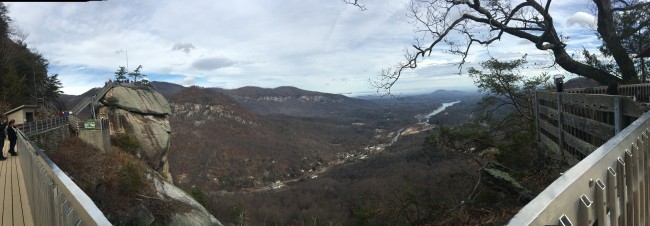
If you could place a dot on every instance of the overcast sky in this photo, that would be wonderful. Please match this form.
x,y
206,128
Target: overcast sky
x,y
317,45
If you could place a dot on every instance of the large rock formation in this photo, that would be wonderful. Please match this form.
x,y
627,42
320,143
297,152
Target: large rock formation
x,y
141,113
141,101
196,215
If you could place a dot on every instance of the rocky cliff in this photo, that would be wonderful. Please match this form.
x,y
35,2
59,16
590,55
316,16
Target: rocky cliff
x,y
141,113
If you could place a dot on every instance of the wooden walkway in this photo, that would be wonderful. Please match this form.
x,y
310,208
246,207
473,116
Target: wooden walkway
x,y
13,195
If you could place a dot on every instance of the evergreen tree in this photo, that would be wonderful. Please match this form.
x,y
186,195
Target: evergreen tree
x,y
136,74
120,74
24,77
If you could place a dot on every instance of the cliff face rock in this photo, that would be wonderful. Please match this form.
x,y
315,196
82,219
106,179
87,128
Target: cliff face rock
x,y
196,215
140,101
144,115
206,112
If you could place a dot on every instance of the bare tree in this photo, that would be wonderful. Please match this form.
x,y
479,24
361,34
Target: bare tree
x,y
461,24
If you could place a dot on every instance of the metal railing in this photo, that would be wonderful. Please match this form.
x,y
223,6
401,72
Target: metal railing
x,y
41,126
99,124
74,122
54,198
577,123
608,187
640,91
92,100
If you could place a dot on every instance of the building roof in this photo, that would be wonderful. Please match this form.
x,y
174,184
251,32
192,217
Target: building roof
x,y
645,53
19,108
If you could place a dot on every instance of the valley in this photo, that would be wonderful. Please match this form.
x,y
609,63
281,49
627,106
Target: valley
x,y
281,156
349,157
286,156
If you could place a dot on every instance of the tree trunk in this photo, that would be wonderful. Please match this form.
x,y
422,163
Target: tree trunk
x,y
565,61
607,31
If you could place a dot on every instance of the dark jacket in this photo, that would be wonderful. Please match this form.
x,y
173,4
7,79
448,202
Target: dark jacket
x,y
3,126
11,133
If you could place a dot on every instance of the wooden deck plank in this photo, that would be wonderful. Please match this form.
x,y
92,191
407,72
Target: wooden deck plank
x,y
3,176
7,215
24,199
15,203
16,209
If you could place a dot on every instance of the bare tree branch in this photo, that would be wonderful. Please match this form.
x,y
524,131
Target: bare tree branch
x,y
631,7
483,23
355,3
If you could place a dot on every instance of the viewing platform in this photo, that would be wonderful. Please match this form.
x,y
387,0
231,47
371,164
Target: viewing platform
x,y
15,202
606,139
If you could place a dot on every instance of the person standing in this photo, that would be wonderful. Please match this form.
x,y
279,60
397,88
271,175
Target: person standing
x,y
612,88
3,125
13,137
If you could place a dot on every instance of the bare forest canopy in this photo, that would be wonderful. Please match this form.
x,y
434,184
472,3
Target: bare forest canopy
x,y
24,77
622,26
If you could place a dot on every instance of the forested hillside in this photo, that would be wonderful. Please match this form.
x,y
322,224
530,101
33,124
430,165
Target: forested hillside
x,y
218,145
25,79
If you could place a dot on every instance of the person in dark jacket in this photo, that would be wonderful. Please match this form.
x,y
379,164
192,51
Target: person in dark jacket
x,y
612,88
3,125
13,137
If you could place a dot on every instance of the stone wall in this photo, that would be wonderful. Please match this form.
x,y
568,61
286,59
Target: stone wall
x,y
100,139
51,140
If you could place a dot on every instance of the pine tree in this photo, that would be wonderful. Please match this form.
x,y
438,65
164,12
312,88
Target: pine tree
x,y
120,74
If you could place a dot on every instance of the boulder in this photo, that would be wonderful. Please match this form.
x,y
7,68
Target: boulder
x,y
153,134
197,215
140,215
141,101
143,114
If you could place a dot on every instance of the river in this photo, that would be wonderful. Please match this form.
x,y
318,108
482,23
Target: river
x,y
435,112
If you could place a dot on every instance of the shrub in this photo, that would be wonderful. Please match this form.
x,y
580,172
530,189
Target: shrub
x,y
126,142
111,102
131,180
198,195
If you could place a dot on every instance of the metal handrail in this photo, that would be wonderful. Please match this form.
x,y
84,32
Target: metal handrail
x,y
640,91
92,100
53,196
76,124
41,126
609,186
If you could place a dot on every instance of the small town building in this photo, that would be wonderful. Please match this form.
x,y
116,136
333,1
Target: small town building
x,y
22,114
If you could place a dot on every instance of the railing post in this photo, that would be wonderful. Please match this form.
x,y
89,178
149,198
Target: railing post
x,y
601,200
629,185
618,115
612,197
537,115
583,210
620,188
646,175
560,136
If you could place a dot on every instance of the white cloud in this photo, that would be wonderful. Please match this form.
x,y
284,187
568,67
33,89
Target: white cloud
x,y
212,63
583,19
185,47
189,80
249,42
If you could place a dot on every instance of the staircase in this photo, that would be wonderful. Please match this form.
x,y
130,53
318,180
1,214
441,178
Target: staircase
x,y
94,100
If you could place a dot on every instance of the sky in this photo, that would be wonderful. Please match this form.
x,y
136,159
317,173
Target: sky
x,y
325,46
